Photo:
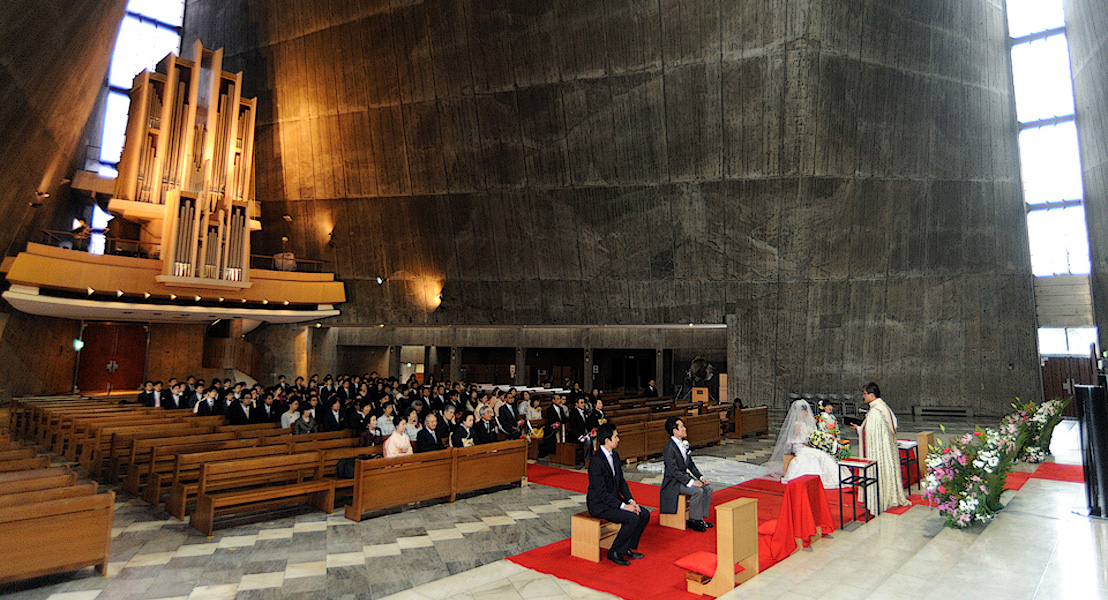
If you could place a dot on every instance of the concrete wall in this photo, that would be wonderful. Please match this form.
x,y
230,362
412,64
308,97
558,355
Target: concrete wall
x,y
1085,21
838,181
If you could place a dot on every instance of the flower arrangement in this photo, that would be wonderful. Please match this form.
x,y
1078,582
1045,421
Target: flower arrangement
x,y
965,477
822,440
1040,427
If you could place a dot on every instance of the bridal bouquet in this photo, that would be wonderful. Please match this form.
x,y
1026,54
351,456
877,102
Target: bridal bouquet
x,y
822,440
965,477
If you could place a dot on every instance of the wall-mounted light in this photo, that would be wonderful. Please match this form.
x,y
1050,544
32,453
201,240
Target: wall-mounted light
x,y
265,301
286,302
146,295
77,345
287,218
173,296
318,325
221,298
90,291
118,293
380,280
197,298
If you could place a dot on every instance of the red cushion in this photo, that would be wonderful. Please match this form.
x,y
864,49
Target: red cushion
x,y
702,562
768,528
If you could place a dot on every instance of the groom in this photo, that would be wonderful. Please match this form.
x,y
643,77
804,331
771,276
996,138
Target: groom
x,y
878,442
682,477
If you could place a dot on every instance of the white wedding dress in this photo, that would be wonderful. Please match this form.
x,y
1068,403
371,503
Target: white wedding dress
x,y
799,423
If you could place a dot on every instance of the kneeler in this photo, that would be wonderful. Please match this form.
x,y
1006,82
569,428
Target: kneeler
x,y
805,514
736,557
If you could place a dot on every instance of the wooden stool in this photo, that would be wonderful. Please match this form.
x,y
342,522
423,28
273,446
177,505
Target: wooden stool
x,y
589,534
678,519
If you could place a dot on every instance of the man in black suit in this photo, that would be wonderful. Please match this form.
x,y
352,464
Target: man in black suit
x,y
208,403
463,434
610,499
238,413
577,424
650,391
682,477
447,423
485,432
555,418
175,400
332,418
146,397
267,412
508,421
427,440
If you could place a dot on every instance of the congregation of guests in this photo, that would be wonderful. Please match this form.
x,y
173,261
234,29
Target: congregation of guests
x,y
402,417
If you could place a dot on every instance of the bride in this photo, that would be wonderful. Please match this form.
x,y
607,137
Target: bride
x,y
793,458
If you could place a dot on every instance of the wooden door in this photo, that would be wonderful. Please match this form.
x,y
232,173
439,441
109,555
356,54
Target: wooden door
x,y
113,358
1061,373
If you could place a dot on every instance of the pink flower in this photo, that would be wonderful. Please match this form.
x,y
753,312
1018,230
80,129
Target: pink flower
x,y
942,490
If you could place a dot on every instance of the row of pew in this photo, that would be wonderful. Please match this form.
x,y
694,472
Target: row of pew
x,y
50,523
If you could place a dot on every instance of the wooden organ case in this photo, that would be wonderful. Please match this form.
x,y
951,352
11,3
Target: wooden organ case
x,y
188,166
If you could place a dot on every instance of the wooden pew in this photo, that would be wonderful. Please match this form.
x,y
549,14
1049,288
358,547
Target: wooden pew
x,y
123,443
750,421
138,465
259,483
55,536
24,464
47,494
17,454
30,484
388,482
186,473
736,544
489,465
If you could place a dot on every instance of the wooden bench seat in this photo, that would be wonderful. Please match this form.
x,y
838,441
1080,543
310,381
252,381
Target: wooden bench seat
x,y
260,483
736,546
30,484
17,454
186,474
47,494
24,464
588,535
55,536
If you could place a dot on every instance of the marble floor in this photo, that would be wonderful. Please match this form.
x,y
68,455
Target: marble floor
x,y
1035,549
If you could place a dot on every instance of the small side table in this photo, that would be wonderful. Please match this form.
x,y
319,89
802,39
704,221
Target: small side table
x,y
862,474
909,458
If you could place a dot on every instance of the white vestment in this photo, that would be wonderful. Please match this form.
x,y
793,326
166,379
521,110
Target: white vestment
x,y
878,441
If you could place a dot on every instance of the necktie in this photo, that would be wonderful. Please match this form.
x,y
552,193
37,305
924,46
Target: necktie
x,y
611,464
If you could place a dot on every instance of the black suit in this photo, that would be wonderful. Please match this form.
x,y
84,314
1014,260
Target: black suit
x,y
650,392
146,398
484,432
427,441
607,492
236,414
550,437
259,415
461,433
172,402
576,425
207,410
679,471
508,421
444,429
327,421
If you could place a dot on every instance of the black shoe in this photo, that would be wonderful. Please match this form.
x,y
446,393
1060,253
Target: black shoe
x,y
707,524
696,525
633,554
616,558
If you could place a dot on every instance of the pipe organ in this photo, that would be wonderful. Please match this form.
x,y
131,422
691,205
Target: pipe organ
x,y
187,169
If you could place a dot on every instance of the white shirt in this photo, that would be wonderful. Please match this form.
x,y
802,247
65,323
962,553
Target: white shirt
x,y
681,446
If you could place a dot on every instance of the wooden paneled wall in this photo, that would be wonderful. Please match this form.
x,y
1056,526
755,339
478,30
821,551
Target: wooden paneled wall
x,y
842,177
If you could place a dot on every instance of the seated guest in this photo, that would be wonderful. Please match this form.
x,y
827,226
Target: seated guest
x,y
146,396
298,386
447,423
428,440
681,477
266,412
597,417
372,434
305,424
238,413
577,424
485,432
310,407
292,414
398,444
175,399
463,434
651,390
209,406
332,419
533,411
384,420
507,421
610,499
358,416
413,423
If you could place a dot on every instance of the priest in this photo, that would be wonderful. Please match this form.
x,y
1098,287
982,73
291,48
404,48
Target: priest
x,y
877,435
